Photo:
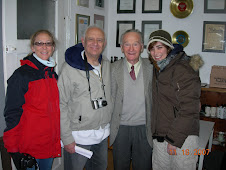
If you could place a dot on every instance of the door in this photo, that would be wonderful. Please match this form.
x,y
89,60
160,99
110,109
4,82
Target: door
x,y
14,48
21,17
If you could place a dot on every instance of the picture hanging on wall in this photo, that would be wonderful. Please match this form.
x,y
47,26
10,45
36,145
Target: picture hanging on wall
x,y
122,26
99,21
126,6
82,22
148,27
151,6
99,3
214,36
214,6
84,3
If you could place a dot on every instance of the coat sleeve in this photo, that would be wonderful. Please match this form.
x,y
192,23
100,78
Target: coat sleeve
x,y
187,87
64,85
16,89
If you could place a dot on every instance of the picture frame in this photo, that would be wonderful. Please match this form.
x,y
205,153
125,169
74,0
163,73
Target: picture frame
x,y
99,3
151,6
82,22
122,26
214,36
99,21
148,27
84,3
126,6
214,6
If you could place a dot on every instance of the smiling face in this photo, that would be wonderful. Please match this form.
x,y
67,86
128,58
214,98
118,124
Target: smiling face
x,y
43,51
94,42
158,51
132,47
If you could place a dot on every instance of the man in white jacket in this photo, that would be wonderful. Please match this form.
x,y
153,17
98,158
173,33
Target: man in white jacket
x,y
85,103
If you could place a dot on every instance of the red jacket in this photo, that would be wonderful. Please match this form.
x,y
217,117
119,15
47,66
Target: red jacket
x,y
32,111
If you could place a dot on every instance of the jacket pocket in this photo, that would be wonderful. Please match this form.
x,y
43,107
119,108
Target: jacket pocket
x,y
175,111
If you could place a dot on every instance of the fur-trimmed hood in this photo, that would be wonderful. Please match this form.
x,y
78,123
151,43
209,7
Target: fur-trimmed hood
x,y
195,61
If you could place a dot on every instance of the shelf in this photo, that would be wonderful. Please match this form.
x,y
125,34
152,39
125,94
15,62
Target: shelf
x,y
213,89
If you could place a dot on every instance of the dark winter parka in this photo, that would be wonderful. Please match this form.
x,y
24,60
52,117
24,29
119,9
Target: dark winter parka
x,y
176,93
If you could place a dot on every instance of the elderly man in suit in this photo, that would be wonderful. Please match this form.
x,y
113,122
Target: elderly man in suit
x,y
131,91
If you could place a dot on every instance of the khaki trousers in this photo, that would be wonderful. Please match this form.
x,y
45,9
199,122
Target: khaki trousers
x,y
185,159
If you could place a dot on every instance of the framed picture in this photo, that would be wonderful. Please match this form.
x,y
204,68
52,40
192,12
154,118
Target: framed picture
x,y
122,26
99,3
99,21
151,6
214,6
82,22
214,36
148,27
84,3
126,6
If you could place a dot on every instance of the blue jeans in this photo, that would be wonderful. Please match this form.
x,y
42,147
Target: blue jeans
x,y
43,164
97,162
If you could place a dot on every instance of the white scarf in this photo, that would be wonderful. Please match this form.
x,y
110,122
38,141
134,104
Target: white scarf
x,y
49,63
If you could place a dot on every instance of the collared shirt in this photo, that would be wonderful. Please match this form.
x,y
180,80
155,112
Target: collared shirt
x,y
136,67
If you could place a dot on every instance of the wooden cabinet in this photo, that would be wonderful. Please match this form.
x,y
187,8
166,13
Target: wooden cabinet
x,y
215,97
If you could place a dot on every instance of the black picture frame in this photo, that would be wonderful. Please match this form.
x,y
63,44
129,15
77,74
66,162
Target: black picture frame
x,y
99,3
122,26
155,10
153,26
129,10
214,10
214,36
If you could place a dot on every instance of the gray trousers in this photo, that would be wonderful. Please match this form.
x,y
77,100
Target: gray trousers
x,y
131,145
97,162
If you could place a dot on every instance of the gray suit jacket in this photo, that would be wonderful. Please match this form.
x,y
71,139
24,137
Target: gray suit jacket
x,y
117,90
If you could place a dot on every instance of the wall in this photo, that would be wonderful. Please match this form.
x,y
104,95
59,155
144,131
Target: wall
x,y
87,11
193,25
2,89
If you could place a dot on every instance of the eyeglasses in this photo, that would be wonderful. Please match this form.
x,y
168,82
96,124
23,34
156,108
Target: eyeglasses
x,y
41,44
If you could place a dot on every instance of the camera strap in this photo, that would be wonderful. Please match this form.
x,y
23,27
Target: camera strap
x,y
88,77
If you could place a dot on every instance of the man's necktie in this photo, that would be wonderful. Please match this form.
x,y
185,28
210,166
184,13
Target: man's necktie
x,y
132,73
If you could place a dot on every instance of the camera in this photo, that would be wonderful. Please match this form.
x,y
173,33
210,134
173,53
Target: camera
x,y
28,162
98,103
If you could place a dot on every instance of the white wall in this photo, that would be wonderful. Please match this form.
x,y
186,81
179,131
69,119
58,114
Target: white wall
x,y
193,25
75,9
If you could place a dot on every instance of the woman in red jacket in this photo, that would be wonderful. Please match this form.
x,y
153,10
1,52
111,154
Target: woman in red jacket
x,y
32,111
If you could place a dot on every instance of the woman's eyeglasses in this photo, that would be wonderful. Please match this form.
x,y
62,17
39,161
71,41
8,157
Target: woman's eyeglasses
x,y
40,44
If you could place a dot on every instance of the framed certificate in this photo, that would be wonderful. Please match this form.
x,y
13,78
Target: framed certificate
x,y
82,22
148,27
214,6
99,21
151,6
214,36
122,26
84,3
126,6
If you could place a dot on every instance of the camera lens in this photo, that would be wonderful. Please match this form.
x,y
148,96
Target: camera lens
x,y
104,103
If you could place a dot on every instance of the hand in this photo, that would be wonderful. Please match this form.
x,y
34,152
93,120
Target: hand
x,y
70,147
171,150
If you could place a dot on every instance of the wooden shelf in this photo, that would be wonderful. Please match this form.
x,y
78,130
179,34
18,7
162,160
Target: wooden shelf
x,y
214,97
213,89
